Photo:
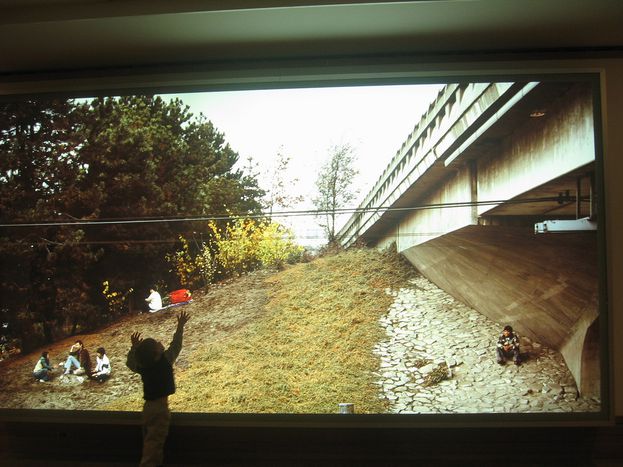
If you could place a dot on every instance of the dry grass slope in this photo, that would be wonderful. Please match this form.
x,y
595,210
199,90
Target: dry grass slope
x,y
312,347
296,341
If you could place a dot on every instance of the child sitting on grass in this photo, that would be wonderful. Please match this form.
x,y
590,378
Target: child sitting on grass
x,y
148,358
102,368
42,368
78,357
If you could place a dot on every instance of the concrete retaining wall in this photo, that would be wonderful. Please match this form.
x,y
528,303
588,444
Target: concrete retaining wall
x,y
545,286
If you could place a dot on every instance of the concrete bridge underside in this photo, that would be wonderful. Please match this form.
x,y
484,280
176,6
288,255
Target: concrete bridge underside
x,y
544,285
461,198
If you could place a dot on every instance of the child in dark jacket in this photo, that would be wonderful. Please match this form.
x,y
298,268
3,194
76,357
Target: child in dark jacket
x,y
78,357
148,358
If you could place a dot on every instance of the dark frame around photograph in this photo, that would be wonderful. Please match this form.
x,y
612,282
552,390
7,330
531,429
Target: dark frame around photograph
x,y
393,216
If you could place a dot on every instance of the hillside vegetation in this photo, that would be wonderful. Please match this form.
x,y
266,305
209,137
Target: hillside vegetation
x,y
295,341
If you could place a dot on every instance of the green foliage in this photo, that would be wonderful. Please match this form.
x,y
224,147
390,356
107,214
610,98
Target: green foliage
x,y
39,144
205,264
112,160
192,271
182,263
117,300
277,246
240,246
236,246
245,244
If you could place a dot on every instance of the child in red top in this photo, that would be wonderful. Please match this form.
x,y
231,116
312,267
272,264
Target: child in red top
x,y
179,296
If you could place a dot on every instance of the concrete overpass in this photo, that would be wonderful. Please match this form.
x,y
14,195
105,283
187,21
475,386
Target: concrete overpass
x,y
462,196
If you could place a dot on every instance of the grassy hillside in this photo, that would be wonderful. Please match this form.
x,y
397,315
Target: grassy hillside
x,y
296,341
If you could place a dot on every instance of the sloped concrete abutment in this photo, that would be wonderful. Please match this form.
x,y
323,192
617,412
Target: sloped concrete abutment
x,y
545,286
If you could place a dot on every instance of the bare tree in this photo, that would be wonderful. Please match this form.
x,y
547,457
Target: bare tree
x,y
278,194
334,185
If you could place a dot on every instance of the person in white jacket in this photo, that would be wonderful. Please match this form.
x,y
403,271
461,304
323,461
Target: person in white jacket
x,y
154,301
102,369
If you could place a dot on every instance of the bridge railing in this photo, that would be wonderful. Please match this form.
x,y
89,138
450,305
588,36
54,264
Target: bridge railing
x,y
440,130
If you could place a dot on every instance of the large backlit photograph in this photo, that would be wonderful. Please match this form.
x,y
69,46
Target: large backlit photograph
x,y
404,250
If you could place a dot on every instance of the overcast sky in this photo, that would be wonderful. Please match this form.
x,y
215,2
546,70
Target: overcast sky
x,y
305,123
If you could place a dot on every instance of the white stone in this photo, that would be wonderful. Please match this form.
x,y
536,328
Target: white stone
x,y
426,369
424,322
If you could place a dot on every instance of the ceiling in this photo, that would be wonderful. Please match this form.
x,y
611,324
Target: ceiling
x,y
48,36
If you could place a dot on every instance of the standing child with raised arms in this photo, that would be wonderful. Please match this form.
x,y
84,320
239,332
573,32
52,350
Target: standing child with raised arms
x,y
148,358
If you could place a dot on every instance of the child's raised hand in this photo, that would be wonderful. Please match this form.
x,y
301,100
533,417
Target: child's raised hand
x,y
135,338
182,318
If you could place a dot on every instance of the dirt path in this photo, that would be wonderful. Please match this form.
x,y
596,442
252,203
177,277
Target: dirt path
x,y
216,314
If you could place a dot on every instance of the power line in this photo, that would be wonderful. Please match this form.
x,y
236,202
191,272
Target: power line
x,y
281,214
176,240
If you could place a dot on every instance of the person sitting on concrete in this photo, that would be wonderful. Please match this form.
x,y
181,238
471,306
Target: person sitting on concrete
x,y
42,368
508,346
79,358
154,301
102,367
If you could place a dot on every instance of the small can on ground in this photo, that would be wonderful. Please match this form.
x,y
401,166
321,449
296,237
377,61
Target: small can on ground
x,y
346,407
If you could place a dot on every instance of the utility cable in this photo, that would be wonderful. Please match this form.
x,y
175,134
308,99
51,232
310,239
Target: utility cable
x,y
283,214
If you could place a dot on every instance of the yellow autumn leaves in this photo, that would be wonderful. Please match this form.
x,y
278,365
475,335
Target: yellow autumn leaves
x,y
239,246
